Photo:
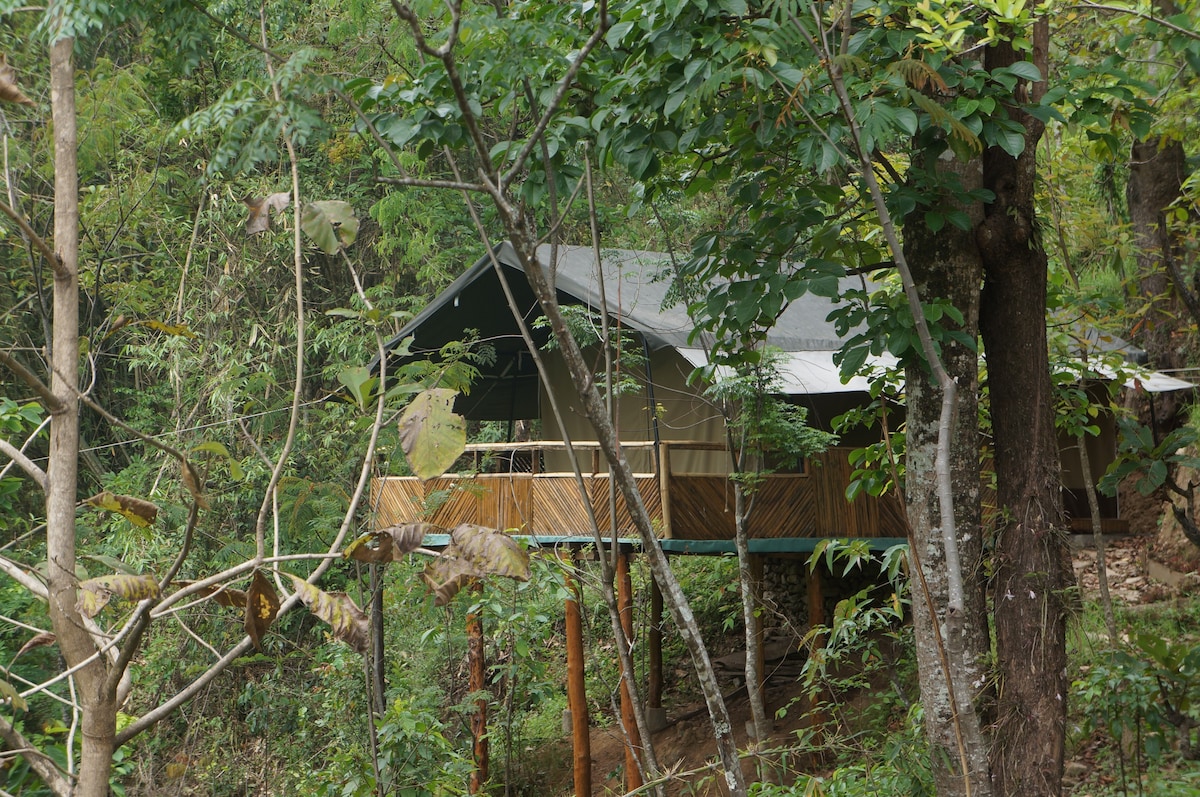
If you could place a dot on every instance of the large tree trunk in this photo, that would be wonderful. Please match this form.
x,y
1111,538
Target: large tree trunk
x,y
97,701
1030,619
1156,172
946,265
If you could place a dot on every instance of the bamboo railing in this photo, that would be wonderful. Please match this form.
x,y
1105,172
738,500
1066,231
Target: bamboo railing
x,y
505,486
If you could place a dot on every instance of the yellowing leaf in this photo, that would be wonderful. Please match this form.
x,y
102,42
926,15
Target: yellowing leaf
x,y
389,544
348,622
431,434
260,210
262,604
176,330
9,695
137,511
9,91
95,593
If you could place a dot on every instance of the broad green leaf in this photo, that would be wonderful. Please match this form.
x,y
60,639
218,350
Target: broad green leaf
x,y
359,382
137,511
262,604
348,622
95,593
432,436
110,562
214,447
330,224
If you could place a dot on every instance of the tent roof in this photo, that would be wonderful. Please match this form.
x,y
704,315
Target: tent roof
x,y
636,285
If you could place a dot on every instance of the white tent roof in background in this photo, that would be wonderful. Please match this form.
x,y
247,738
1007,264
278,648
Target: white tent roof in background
x,y
806,372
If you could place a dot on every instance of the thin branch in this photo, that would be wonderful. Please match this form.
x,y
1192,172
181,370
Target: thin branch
x,y
38,761
36,240
25,463
1191,34
417,182
44,392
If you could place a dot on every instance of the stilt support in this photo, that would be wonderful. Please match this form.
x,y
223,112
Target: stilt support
x,y
477,682
576,694
633,772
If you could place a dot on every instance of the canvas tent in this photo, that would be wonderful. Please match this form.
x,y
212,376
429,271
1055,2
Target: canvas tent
x,y
664,409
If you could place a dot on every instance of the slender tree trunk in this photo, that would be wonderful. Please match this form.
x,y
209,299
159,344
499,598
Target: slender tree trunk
x,y
1029,567
946,265
750,604
1156,172
99,705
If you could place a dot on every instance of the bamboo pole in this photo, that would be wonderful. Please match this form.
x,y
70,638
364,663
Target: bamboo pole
x,y
581,745
477,666
633,772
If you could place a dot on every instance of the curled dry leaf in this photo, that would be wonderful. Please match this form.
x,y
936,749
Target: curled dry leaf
x,y
9,91
446,576
260,210
490,552
348,622
192,482
39,640
389,544
95,593
137,511
262,604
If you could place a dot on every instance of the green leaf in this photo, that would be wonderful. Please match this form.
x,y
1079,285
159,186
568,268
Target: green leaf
x,y
331,224
432,436
359,382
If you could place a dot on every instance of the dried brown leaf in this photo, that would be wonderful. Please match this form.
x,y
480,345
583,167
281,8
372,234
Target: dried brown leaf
x,y
348,622
389,544
37,641
192,483
9,91
260,210
233,598
262,604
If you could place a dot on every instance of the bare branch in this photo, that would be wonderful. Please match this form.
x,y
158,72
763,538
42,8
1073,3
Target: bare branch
x,y
416,182
39,762
1133,12
45,394
36,240
25,463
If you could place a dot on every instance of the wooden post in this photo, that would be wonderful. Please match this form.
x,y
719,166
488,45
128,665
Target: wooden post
x,y
664,487
633,773
756,578
477,668
581,743
654,689
816,616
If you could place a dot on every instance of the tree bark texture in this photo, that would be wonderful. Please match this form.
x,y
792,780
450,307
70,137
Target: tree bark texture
x,y
1157,169
1029,562
952,653
98,703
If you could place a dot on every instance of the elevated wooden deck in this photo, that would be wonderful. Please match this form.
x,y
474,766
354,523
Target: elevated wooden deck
x,y
686,506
